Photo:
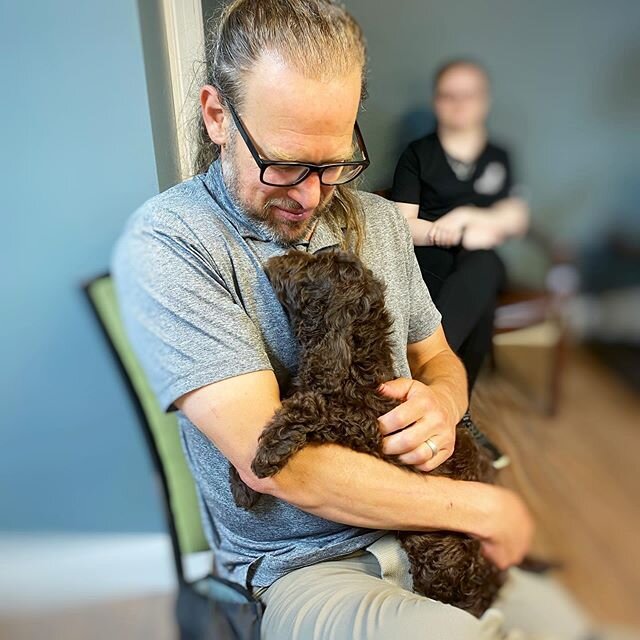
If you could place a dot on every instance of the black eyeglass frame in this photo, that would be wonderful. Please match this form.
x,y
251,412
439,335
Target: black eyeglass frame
x,y
311,168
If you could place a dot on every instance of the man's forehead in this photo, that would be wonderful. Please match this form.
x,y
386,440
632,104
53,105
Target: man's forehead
x,y
279,90
295,115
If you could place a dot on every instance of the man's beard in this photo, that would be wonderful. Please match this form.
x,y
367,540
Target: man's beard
x,y
286,232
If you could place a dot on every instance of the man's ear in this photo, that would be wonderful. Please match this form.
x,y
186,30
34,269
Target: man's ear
x,y
213,114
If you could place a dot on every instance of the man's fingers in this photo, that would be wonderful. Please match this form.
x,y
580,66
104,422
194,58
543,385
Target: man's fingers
x,y
422,457
411,445
494,553
407,439
435,461
503,558
419,407
419,457
396,389
418,418
402,416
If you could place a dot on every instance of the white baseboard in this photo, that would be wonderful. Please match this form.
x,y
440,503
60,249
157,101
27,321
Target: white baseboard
x,y
53,571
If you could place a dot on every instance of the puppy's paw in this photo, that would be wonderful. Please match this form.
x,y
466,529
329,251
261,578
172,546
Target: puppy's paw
x,y
265,465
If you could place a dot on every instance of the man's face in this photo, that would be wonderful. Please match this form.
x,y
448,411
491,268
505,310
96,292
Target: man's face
x,y
462,98
289,117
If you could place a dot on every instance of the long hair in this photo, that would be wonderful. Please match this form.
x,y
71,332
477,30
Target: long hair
x,y
318,38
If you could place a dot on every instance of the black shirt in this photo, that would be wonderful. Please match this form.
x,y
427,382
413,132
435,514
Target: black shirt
x,y
424,176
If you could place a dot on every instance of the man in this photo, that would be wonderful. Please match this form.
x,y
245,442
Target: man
x,y
284,85
455,189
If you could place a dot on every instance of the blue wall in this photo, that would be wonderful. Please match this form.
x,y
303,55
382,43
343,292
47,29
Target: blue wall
x,y
77,158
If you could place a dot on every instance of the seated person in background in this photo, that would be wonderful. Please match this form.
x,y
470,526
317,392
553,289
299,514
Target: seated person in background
x,y
455,189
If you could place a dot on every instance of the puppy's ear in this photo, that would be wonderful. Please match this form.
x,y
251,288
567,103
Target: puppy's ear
x,y
286,274
336,352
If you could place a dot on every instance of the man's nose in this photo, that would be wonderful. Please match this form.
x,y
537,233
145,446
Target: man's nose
x,y
308,193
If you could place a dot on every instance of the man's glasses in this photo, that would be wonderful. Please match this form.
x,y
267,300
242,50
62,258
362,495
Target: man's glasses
x,y
288,174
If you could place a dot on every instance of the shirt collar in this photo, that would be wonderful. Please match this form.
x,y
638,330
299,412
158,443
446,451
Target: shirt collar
x,y
322,237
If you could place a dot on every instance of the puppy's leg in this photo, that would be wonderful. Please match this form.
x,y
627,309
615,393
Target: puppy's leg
x,y
288,432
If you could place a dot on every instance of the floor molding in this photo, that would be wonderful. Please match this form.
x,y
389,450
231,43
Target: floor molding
x,y
53,571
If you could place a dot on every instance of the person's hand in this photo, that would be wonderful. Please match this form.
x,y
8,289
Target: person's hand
x,y
480,235
425,414
447,231
426,226
509,529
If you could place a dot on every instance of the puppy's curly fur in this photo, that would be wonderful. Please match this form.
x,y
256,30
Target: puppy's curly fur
x,y
337,311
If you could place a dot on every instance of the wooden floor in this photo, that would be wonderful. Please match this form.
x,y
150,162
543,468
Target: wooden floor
x,y
149,618
579,472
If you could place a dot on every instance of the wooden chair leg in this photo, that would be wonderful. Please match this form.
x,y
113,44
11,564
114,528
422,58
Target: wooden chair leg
x,y
559,364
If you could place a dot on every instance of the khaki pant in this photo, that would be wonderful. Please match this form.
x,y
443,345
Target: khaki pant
x,y
364,597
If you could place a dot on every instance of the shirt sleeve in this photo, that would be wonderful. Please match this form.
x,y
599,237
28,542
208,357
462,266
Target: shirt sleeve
x,y
182,320
406,180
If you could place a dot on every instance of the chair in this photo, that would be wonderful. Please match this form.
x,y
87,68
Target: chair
x,y
538,312
209,607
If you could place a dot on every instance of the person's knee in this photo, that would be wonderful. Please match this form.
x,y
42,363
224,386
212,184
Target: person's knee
x,y
487,265
487,259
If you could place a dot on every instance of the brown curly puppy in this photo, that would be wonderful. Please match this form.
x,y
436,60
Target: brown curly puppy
x,y
337,310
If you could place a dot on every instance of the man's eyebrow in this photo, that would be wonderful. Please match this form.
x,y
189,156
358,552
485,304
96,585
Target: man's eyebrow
x,y
283,156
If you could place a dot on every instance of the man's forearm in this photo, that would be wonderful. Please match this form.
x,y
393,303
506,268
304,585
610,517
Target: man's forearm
x,y
342,485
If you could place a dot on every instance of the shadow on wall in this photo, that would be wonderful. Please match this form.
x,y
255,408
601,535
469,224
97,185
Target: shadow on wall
x,y
622,99
414,124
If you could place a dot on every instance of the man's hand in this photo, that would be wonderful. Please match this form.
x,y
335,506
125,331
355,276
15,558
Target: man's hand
x,y
508,530
447,231
425,414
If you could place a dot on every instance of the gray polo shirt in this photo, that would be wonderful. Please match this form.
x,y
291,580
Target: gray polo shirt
x,y
198,308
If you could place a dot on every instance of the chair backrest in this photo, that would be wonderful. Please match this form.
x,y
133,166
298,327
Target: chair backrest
x,y
160,429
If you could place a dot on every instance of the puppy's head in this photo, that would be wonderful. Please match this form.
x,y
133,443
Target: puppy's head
x,y
331,288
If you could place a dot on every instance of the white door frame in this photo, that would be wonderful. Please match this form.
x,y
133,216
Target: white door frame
x,y
184,27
